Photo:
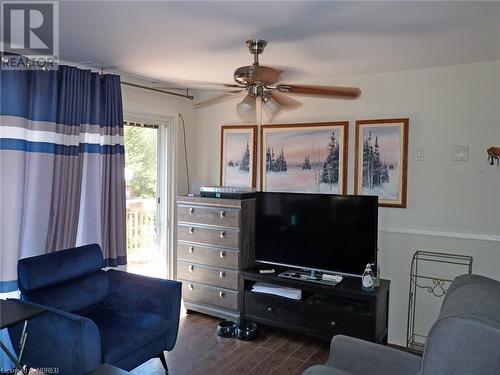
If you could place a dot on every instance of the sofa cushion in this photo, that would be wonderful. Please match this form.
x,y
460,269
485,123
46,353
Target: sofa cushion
x,y
478,299
72,295
50,269
324,370
123,331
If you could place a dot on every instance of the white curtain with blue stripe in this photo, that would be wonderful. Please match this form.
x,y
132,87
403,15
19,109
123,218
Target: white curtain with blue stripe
x,y
61,165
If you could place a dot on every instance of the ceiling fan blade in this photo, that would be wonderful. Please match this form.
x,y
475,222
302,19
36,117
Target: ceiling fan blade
x,y
285,101
218,99
341,92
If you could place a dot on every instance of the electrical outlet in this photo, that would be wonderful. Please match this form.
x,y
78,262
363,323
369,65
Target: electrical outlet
x,y
459,152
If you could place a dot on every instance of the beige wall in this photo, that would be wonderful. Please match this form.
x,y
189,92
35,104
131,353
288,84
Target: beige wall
x,y
452,206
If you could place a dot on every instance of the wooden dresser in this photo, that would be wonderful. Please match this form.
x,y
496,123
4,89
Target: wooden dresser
x,y
215,240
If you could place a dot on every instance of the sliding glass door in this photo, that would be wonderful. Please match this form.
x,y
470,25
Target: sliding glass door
x,y
144,187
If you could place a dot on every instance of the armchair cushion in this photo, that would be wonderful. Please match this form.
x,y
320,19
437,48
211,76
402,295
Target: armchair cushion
x,y
54,268
360,357
324,370
72,295
124,330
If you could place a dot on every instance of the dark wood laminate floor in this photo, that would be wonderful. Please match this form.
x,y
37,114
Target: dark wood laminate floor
x,y
200,351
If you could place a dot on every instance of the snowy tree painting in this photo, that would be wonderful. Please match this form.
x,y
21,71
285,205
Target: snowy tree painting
x,y
238,156
245,160
381,154
330,173
304,158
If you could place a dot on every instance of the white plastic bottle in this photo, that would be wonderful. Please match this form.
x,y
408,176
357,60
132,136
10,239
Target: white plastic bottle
x,y
367,279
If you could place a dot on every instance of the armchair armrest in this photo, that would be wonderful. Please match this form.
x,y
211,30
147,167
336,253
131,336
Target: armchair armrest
x,y
361,357
60,340
149,294
159,296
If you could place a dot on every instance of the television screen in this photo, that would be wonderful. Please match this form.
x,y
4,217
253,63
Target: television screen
x,y
333,233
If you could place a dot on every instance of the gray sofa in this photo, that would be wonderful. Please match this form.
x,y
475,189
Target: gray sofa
x,y
465,339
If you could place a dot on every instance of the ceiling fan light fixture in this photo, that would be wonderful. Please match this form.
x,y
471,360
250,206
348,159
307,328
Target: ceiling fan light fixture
x,y
271,106
246,109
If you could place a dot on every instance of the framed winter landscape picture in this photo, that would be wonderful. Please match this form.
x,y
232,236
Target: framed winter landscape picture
x,y
238,156
309,158
382,160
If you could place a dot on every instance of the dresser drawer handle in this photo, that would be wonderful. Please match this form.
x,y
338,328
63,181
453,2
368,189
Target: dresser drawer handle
x,y
222,213
270,309
332,324
222,274
191,249
222,254
222,234
221,294
191,268
191,230
190,286
191,210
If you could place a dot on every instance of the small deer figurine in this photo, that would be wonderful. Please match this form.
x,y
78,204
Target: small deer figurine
x,y
493,154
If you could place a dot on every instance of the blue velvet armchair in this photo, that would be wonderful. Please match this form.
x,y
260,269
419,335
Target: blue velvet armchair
x,y
94,316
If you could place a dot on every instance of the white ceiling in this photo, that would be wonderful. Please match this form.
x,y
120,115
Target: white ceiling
x,y
204,41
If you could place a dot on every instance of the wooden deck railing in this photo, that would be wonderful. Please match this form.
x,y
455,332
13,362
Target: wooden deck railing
x,y
141,226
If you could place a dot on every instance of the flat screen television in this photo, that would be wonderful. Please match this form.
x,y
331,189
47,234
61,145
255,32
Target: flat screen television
x,y
322,232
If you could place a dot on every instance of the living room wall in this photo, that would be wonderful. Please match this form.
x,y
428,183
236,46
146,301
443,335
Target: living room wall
x,y
453,206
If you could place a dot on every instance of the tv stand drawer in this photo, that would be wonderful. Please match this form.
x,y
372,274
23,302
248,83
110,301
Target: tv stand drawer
x,y
273,308
330,322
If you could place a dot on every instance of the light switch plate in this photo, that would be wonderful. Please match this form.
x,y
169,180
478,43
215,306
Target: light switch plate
x,y
459,152
419,153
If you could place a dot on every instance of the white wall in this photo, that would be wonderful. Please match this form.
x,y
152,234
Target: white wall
x,y
150,103
452,206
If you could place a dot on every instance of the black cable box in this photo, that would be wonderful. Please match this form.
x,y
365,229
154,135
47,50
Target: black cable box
x,y
227,192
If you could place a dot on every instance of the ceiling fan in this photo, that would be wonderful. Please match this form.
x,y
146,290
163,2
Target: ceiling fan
x,y
260,82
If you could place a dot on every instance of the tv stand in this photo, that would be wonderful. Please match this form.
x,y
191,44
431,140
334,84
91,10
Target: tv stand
x,y
323,311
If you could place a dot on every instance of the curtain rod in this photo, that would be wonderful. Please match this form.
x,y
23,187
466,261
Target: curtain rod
x,y
187,96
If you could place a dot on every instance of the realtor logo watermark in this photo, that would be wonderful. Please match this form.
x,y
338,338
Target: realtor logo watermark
x,y
30,35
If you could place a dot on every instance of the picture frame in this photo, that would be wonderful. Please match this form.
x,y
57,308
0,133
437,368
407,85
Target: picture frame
x,y
238,156
304,157
381,160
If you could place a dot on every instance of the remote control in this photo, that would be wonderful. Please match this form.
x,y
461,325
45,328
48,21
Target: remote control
x,y
266,271
336,278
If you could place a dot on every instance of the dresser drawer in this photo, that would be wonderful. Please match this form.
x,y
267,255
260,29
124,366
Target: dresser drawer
x,y
207,275
194,292
266,307
212,236
217,216
210,256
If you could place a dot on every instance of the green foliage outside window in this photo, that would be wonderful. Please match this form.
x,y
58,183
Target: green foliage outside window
x,y
140,159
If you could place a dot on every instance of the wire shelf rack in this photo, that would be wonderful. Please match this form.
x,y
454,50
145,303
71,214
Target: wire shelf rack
x,y
431,274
